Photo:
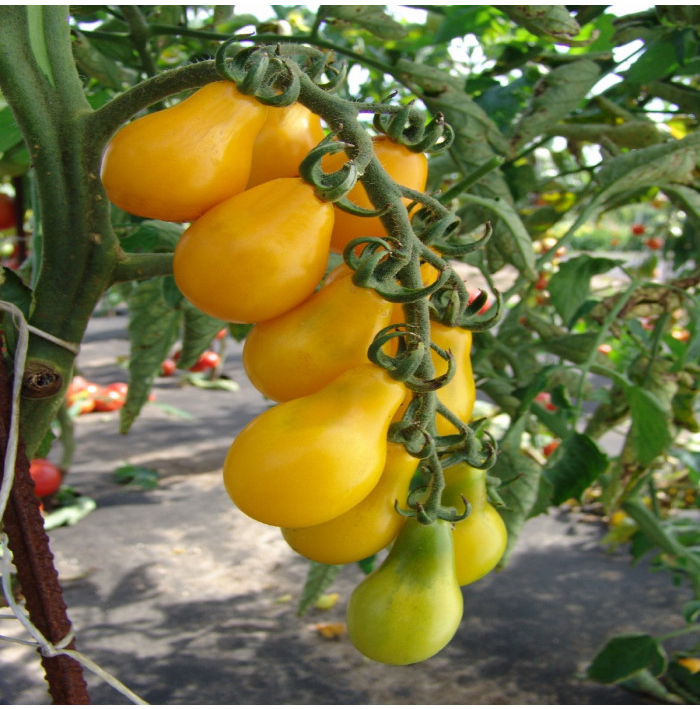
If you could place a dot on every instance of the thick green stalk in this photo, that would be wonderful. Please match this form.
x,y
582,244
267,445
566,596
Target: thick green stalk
x,y
79,247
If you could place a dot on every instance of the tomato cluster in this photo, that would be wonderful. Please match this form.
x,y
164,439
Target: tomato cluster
x,y
84,397
318,464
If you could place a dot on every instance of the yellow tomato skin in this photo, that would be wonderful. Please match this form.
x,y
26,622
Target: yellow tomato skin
x,y
304,349
403,166
177,163
366,528
459,394
479,540
409,608
255,255
285,139
311,459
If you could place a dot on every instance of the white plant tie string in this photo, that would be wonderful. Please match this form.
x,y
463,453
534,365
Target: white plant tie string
x,y
47,648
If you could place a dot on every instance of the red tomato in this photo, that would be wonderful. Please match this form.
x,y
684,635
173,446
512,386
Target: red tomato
x,y
111,397
221,334
83,391
168,367
542,282
473,295
545,398
46,476
550,448
207,360
654,243
7,211
638,229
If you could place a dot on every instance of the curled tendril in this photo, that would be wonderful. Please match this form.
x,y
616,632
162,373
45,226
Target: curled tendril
x,y
422,386
409,355
454,245
330,186
260,72
374,260
408,127
474,446
376,266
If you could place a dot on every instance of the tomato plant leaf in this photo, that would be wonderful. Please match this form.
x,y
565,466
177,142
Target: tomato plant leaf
x,y
136,476
373,18
578,463
10,134
551,22
555,96
520,483
199,330
319,578
152,236
649,432
153,329
667,163
625,655
570,286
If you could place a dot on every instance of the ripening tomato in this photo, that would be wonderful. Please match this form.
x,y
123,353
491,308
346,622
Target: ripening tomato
x,y
479,540
304,349
409,608
207,360
403,166
111,397
286,137
177,163
366,528
256,255
7,211
46,476
311,459
80,395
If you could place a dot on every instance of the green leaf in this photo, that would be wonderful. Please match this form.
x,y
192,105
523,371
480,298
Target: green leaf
x,y
552,22
657,61
152,236
137,476
691,611
520,483
91,62
578,463
153,329
10,134
574,348
624,656
373,18
514,244
239,331
318,579
650,431
555,96
668,163
570,286
198,332
14,290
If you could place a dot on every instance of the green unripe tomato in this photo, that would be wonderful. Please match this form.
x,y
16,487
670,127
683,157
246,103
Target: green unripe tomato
x,y
409,608
479,540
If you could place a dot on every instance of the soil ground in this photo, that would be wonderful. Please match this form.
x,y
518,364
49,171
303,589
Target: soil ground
x,y
187,601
